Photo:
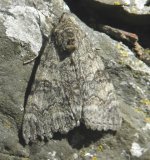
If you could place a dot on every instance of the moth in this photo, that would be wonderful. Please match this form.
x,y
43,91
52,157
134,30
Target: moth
x,y
71,87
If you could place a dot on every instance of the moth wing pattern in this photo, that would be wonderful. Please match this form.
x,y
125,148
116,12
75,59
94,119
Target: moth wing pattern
x,y
72,90
100,108
51,107
100,111
47,112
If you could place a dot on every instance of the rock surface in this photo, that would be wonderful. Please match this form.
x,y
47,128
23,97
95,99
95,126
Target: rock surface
x,y
131,6
68,71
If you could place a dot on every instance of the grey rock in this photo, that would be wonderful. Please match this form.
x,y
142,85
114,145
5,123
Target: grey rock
x,y
9,141
123,12
131,6
57,85
53,150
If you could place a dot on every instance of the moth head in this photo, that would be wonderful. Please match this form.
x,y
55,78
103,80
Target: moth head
x,y
71,44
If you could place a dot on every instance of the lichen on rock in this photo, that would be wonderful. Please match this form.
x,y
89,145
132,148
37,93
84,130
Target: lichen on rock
x,y
77,87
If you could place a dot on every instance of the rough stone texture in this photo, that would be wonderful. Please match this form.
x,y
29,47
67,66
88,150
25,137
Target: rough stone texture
x,y
131,6
68,76
9,142
13,81
20,34
122,13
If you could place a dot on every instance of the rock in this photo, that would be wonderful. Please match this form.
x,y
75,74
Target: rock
x,y
13,82
48,101
126,12
146,56
21,38
128,38
52,150
9,141
131,6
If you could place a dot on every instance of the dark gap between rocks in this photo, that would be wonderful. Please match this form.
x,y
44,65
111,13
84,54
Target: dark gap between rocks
x,y
81,137
78,138
148,3
94,13
31,82
34,70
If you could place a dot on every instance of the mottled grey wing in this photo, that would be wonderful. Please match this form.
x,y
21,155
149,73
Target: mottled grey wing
x,y
99,103
100,109
70,90
50,107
